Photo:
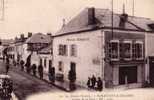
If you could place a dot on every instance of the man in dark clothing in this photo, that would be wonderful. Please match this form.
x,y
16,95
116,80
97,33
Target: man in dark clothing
x,y
89,82
99,84
22,65
34,69
93,80
28,63
40,70
7,64
72,79
52,74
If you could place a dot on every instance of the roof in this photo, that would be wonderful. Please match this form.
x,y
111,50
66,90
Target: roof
x,y
39,38
46,50
103,17
7,41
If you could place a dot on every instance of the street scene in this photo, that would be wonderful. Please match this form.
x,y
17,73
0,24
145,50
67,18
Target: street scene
x,y
25,85
64,46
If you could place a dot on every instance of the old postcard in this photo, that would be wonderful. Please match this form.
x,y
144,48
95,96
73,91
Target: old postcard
x,y
76,50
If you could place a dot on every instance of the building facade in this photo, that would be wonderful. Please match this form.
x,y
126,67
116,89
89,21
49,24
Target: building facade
x,y
92,45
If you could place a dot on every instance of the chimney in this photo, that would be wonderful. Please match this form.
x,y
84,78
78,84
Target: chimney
x,y
22,36
29,34
49,34
123,18
91,16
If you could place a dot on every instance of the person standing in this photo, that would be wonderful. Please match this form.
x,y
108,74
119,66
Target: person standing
x,y
99,84
89,83
34,69
7,64
28,63
52,74
72,79
93,80
40,70
22,65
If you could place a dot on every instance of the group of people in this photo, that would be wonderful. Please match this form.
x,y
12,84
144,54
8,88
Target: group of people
x,y
94,83
32,68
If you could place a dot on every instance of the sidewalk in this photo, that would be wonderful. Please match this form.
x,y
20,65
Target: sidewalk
x,y
61,85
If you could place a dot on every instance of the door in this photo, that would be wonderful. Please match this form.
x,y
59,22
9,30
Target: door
x,y
127,75
73,66
151,66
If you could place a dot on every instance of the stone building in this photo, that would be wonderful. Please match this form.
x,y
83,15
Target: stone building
x,y
92,45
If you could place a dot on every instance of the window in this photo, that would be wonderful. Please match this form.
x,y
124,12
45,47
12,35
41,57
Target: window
x,y
60,66
127,50
63,50
40,61
114,49
138,52
73,50
50,63
45,62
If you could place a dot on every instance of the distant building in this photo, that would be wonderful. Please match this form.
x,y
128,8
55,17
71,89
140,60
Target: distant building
x,y
88,45
40,47
20,48
45,57
4,45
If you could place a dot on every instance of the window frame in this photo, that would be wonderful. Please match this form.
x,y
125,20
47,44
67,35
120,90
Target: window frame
x,y
118,51
140,42
131,49
73,53
62,50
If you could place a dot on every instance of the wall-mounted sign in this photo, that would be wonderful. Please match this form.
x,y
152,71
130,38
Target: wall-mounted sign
x,y
78,39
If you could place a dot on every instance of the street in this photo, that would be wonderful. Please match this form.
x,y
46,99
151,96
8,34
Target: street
x,y
25,85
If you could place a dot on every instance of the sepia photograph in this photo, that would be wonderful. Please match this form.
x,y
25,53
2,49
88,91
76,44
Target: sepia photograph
x,y
76,50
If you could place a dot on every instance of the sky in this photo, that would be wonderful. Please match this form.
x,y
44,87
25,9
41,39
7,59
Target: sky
x,y
23,16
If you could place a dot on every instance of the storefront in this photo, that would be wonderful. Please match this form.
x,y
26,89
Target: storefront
x,y
127,75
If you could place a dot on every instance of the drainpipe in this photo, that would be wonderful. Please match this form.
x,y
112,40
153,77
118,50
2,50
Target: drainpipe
x,y
102,58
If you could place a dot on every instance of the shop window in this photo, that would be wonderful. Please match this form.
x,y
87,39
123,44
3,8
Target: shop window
x,y
114,49
138,50
73,50
127,50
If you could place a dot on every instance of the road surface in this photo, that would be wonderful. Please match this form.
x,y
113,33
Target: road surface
x,y
26,85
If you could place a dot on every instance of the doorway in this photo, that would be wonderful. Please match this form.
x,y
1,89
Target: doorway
x,y
73,66
127,75
151,66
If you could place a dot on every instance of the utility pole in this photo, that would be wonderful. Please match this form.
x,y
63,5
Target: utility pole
x,y
112,18
133,7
